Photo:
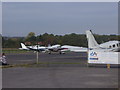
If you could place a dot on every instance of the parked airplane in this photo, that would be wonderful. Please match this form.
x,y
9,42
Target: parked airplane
x,y
56,48
49,49
65,48
34,48
107,46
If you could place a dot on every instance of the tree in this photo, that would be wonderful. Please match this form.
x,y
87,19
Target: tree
x,y
31,38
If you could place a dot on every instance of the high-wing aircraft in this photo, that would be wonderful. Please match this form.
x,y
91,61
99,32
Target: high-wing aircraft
x,y
113,46
56,48
34,48
65,48
49,49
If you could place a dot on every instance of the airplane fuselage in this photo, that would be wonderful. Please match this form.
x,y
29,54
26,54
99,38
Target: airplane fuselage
x,y
111,46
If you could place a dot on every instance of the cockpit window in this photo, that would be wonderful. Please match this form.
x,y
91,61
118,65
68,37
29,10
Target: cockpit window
x,y
114,45
110,46
117,45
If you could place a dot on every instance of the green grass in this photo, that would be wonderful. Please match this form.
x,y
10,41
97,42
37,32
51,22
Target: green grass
x,y
13,50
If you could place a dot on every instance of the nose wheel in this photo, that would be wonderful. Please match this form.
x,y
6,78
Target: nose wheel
x,y
61,52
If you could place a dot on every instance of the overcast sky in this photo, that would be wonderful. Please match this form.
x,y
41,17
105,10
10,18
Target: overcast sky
x,y
0,18
59,18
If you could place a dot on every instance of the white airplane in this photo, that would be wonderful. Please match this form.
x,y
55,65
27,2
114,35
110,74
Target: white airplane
x,y
113,46
56,48
65,48
34,48
49,49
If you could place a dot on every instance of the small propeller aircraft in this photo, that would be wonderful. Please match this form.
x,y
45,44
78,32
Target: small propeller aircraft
x,y
113,46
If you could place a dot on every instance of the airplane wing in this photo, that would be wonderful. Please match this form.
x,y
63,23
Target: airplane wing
x,y
40,49
35,49
74,48
56,48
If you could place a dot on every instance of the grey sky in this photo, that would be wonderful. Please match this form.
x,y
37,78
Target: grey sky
x,y
59,18
0,17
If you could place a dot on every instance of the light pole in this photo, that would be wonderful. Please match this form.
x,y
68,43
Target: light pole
x,y
37,51
37,56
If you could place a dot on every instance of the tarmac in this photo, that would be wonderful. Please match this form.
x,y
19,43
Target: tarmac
x,y
68,70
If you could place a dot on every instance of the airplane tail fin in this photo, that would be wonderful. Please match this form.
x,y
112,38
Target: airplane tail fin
x,y
23,46
91,40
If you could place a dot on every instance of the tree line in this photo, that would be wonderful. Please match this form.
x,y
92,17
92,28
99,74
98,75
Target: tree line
x,y
46,39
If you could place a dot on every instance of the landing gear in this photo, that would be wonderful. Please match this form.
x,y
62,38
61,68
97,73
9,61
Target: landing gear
x,y
49,52
61,52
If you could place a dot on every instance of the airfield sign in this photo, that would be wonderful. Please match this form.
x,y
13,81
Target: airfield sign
x,y
101,57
